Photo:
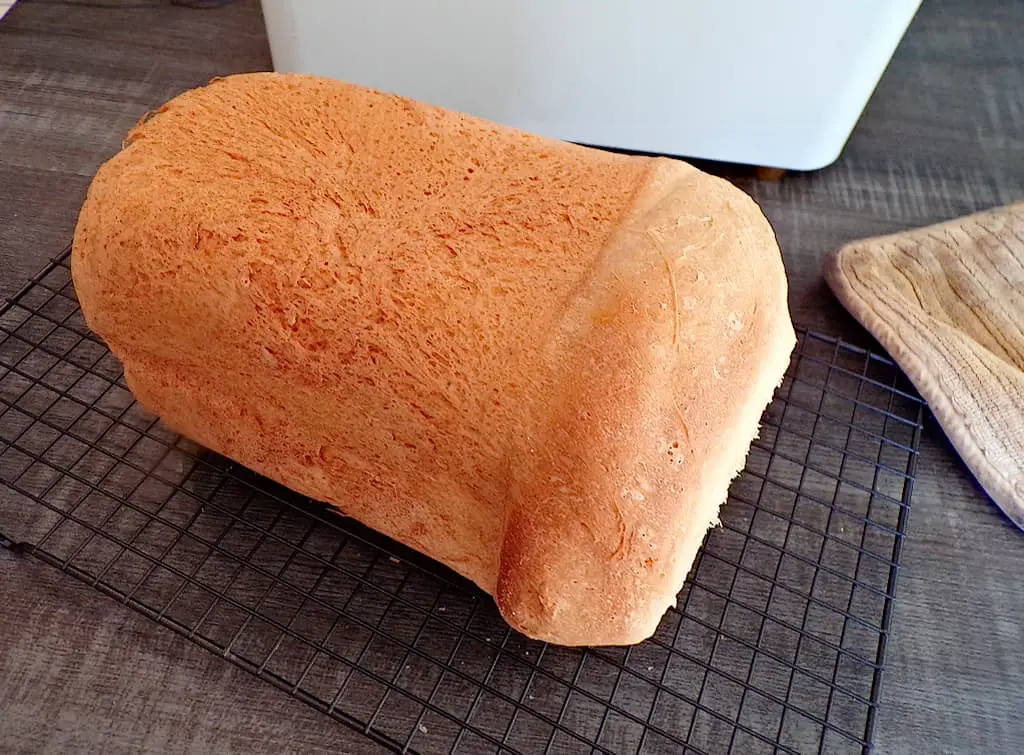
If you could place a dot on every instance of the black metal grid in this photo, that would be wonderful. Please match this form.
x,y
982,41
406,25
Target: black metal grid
x,y
777,643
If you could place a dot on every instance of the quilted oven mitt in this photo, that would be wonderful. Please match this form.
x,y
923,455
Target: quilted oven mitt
x,y
947,303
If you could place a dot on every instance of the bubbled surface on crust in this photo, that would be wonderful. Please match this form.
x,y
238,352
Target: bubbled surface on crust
x,y
470,338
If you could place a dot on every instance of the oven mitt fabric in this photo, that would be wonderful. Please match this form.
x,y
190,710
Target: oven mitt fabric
x,y
947,303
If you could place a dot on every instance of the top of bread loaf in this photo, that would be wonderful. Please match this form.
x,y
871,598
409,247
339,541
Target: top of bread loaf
x,y
538,363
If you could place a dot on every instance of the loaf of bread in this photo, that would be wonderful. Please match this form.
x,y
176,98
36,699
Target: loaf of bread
x,y
537,363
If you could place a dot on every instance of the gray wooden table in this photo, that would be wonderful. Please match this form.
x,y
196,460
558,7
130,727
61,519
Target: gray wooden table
x,y
943,136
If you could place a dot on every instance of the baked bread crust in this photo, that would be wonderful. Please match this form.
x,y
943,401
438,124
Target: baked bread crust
x,y
538,363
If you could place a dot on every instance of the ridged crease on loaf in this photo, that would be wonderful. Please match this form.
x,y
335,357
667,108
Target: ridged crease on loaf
x,y
538,363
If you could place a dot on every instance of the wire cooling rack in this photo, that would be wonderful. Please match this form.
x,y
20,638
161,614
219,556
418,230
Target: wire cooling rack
x,y
777,643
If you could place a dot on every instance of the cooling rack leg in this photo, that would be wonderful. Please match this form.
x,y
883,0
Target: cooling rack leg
x,y
11,545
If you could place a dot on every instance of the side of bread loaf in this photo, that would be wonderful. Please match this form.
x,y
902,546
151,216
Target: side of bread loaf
x,y
537,363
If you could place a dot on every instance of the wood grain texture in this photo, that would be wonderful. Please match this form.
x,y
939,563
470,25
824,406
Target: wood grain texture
x,y
73,81
942,137
93,675
947,302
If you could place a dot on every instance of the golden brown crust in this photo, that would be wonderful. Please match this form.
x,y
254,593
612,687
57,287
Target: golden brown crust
x,y
677,344
482,343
